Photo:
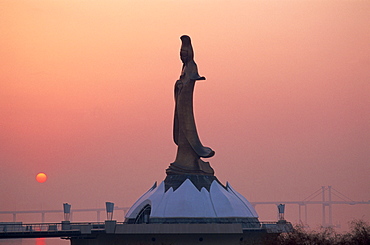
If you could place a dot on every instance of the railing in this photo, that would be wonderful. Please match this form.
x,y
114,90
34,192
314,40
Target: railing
x,y
64,229
19,227
47,227
44,212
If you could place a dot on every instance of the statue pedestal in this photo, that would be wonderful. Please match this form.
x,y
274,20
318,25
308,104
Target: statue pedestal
x,y
192,199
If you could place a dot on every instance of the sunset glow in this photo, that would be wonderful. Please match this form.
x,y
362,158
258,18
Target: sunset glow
x,y
86,96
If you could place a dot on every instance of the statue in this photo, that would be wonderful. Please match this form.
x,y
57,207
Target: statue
x,y
191,194
185,136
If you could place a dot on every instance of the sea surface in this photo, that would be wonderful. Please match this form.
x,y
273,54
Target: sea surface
x,y
33,241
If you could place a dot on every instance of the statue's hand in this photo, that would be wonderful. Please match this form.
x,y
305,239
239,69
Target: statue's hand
x,y
201,78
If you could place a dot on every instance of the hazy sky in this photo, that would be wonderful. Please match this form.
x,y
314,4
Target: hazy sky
x,y
86,96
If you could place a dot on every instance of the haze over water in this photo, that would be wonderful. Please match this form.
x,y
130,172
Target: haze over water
x,y
86,96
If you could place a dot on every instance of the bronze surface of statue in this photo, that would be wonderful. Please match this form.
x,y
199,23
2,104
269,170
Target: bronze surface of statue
x,y
185,136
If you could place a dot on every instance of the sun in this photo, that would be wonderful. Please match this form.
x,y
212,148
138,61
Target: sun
x,y
41,177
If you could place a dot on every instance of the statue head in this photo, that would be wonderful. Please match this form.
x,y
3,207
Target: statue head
x,y
185,40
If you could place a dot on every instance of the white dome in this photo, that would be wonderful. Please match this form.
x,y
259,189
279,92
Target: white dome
x,y
188,202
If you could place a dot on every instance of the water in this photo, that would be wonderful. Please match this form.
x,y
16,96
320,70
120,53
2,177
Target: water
x,y
33,241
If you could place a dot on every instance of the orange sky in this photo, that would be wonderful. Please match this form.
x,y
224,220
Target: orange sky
x,y
86,96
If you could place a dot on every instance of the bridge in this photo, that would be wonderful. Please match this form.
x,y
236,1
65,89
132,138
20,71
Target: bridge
x,y
327,193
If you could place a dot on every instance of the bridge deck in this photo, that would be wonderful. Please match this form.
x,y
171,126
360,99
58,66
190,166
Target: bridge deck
x,y
36,230
90,230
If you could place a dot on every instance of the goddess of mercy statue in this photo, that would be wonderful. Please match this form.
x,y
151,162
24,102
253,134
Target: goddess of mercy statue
x,y
185,136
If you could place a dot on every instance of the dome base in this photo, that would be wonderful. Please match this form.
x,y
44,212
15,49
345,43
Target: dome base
x,y
192,199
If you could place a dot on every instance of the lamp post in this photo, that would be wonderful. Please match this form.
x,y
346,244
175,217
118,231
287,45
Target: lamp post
x,y
281,209
66,224
109,207
67,211
110,224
